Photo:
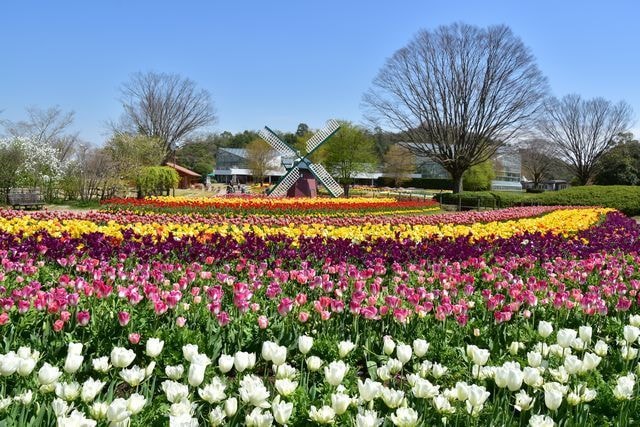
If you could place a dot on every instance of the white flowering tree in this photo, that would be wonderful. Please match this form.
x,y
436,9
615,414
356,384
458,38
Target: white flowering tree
x,y
34,164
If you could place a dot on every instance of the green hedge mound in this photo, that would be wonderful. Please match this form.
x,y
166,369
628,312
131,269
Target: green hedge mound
x,y
623,198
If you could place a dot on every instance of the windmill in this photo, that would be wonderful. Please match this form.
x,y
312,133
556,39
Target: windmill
x,y
302,174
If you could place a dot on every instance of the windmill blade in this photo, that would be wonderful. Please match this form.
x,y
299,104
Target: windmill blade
x,y
287,181
272,139
322,135
326,179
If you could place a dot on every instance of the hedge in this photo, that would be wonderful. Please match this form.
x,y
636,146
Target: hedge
x,y
623,198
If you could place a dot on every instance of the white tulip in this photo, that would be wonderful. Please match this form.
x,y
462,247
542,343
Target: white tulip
x,y
345,347
118,411
404,417
9,363
267,350
279,355
26,367
572,364
225,363
285,386
388,345
420,347
565,337
553,395
98,410
48,374
369,389
197,369
383,373
154,347
253,391
304,344
285,371
175,391
634,320
74,348
189,351
214,391
101,364
174,372
335,372
216,417
442,405
340,403
524,402
631,333
230,406
314,363
122,357
438,370
394,366
368,418
68,391
60,407
590,362
323,415
135,403
404,353
601,348
423,389
534,359
545,329
624,387
281,410
258,418
628,353
585,333
532,377
90,389
133,376
24,398
243,361
541,421
392,398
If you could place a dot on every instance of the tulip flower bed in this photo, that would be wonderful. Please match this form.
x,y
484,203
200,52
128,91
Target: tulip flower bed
x,y
260,205
527,316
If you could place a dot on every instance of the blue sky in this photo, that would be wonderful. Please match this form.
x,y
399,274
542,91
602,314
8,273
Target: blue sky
x,y
279,63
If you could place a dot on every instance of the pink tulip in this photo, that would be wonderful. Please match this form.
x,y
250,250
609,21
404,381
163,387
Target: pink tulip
x,y
263,322
58,325
181,321
83,317
303,316
123,318
134,338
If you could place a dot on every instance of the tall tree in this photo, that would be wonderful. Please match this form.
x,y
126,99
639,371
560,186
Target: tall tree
x,y
399,164
350,151
458,93
260,156
199,154
621,164
49,126
538,160
130,153
164,106
583,130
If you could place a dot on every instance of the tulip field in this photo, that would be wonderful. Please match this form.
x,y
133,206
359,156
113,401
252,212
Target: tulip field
x,y
254,312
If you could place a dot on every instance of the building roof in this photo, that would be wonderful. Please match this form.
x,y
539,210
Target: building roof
x,y
183,170
240,152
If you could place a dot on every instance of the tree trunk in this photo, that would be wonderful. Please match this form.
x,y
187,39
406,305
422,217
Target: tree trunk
x,y
457,183
346,189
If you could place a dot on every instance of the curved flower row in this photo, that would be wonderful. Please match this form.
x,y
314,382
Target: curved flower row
x,y
268,205
562,222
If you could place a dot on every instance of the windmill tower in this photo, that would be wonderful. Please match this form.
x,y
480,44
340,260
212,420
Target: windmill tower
x,y
302,175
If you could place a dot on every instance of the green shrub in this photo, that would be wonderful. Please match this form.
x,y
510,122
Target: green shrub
x,y
478,177
154,180
624,198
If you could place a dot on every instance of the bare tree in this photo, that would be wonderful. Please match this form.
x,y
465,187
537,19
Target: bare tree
x,y
164,106
50,126
538,160
458,93
260,157
583,130
399,163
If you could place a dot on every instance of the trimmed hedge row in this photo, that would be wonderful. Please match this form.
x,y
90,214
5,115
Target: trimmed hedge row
x,y
623,198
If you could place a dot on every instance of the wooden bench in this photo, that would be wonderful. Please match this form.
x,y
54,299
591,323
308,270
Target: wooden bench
x,y
26,198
